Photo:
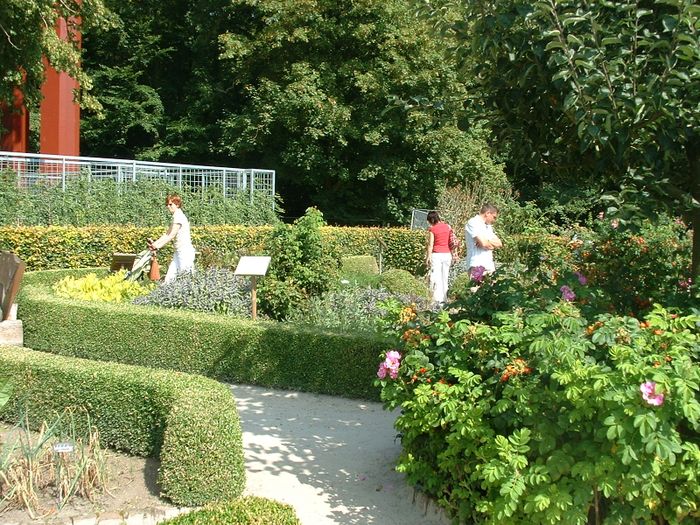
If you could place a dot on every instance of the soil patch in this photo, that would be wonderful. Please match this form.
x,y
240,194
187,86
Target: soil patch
x,y
131,487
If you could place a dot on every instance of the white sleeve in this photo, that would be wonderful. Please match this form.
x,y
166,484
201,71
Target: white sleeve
x,y
178,217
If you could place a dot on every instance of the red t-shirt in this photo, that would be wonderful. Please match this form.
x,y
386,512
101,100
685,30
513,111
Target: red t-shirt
x,y
441,231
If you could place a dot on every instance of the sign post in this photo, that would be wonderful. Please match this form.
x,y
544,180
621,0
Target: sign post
x,y
253,266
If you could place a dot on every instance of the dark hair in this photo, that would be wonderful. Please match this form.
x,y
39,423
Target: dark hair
x,y
175,199
488,208
433,217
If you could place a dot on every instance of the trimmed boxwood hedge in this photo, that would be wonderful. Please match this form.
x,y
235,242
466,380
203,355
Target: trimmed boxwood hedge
x,y
190,422
250,510
264,353
44,248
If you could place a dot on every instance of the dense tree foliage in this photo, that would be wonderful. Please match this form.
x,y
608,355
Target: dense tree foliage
x,y
28,35
315,80
303,87
603,93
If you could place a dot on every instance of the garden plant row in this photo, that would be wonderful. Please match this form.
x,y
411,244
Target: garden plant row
x,y
238,350
189,422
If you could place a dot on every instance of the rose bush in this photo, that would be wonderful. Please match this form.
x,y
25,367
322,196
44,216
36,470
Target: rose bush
x,y
548,414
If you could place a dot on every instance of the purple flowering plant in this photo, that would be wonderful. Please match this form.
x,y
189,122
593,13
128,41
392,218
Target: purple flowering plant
x,y
567,294
477,273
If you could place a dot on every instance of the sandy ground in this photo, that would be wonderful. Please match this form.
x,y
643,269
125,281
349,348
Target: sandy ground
x,y
331,458
131,485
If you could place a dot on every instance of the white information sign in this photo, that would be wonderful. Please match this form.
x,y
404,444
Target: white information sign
x,y
252,265
63,447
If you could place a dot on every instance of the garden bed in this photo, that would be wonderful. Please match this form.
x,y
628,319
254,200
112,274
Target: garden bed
x,y
131,489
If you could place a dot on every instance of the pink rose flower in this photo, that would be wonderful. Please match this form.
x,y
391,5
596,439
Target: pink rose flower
x,y
391,364
649,394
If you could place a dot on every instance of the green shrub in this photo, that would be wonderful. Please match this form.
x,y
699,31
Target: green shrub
x,y
89,202
58,247
546,416
402,282
249,510
353,265
189,421
302,266
656,261
112,288
239,350
44,248
350,309
461,285
202,456
359,271
210,290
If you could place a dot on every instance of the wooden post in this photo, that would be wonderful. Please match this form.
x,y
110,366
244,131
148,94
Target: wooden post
x,y
254,299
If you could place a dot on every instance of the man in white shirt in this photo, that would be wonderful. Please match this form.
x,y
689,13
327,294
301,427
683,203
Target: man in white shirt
x,y
482,239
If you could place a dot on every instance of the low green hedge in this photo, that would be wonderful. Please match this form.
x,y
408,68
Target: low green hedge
x,y
190,422
250,510
243,351
352,265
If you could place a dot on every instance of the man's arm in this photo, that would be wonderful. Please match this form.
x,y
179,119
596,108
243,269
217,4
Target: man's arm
x,y
486,243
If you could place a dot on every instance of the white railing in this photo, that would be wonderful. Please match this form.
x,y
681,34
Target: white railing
x,y
33,168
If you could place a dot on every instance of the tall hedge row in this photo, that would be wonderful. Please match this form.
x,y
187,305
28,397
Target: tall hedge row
x,y
238,350
191,422
44,248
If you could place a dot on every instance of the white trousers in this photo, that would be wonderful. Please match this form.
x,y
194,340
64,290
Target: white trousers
x,y
182,262
439,272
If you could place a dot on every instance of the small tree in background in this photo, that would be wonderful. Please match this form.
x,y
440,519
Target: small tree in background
x,y
591,93
30,38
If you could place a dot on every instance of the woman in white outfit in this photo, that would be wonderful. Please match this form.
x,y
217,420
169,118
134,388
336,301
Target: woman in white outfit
x,y
183,259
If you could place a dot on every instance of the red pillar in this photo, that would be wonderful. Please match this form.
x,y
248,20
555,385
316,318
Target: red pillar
x,y
15,121
60,115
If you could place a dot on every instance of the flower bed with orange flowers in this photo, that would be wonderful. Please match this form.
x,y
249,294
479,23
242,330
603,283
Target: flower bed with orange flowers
x,y
549,415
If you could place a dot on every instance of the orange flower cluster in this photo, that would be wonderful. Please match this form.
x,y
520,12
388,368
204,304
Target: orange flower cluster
x,y
645,324
407,314
421,371
412,336
667,358
593,327
517,367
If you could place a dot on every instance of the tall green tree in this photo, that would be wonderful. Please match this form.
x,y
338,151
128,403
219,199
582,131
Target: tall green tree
x,y
326,93
28,35
315,83
604,91
155,74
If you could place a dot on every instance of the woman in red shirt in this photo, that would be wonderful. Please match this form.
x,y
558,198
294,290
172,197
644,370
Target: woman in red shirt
x,y
438,256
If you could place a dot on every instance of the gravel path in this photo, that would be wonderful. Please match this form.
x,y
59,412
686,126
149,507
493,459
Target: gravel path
x,y
330,458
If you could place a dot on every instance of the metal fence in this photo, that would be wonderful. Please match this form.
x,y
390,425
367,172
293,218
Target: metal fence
x,y
419,219
32,169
